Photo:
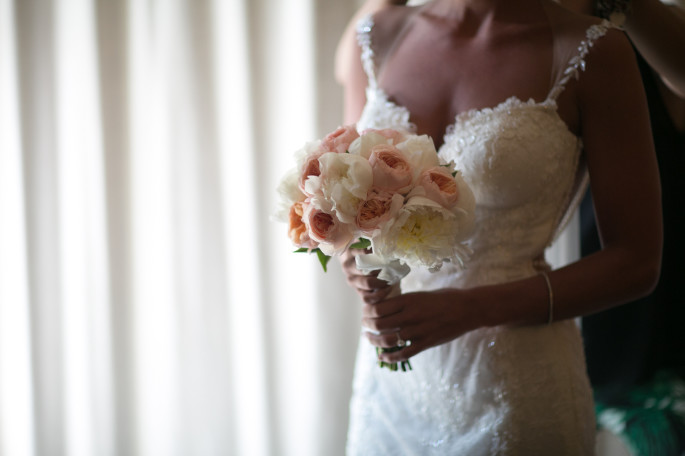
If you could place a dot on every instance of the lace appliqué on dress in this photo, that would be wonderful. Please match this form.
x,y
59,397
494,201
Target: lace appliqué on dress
x,y
364,27
379,111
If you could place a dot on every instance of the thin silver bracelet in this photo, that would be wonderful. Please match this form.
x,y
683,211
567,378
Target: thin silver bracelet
x,y
551,297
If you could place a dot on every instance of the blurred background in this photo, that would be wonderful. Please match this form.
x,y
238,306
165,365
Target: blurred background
x,y
148,305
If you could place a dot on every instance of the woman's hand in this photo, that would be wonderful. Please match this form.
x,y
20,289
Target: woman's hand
x,y
368,286
418,321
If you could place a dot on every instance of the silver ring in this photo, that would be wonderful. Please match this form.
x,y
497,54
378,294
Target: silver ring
x,y
400,342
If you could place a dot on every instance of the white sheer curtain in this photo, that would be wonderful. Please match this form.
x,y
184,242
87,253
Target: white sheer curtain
x,y
147,304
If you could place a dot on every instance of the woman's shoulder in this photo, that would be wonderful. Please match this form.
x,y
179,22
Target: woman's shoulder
x,y
388,20
571,28
388,23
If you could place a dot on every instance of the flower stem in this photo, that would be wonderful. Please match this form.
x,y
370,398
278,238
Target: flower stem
x,y
404,365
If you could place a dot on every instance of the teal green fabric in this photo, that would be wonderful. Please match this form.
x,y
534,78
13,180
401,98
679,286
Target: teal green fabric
x,y
651,418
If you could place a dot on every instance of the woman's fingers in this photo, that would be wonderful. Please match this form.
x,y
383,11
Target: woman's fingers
x,y
348,259
395,338
416,322
366,282
369,286
403,343
373,297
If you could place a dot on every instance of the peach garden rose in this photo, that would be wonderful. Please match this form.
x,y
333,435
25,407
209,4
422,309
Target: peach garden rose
x,y
339,141
297,229
310,168
332,236
378,209
440,186
391,171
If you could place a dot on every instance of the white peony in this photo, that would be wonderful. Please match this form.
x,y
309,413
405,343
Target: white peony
x,y
289,193
424,234
301,154
362,146
392,271
420,153
344,181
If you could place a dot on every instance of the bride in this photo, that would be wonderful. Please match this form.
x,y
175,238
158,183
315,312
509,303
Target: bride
x,y
530,101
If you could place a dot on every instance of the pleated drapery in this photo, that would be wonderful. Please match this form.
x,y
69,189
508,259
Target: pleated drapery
x,y
148,304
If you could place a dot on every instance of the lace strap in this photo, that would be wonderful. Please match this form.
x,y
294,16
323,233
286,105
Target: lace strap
x,y
577,63
364,27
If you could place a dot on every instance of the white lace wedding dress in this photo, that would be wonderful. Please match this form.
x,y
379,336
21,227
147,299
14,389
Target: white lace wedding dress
x,y
504,391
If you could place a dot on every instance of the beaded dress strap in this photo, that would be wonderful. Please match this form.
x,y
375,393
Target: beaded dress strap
x,y
577,63
364,27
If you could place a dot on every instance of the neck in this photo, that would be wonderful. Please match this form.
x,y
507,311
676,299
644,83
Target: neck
x,y
479,10
579,6
461,7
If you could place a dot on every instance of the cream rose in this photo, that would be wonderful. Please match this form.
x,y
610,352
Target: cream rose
x,y
391,171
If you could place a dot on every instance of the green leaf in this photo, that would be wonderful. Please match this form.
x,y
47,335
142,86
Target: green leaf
x,y
447,165
323,259
362,243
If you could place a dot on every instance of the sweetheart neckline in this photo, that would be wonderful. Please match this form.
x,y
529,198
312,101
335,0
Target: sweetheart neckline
x,y
477,113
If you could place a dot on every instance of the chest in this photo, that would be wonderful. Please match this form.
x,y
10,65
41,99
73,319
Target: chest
x,y
437,77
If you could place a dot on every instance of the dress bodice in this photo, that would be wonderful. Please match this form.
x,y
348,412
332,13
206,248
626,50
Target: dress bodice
x,y
519,158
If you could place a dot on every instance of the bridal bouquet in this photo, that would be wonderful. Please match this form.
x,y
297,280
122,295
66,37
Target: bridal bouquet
x,y
385,190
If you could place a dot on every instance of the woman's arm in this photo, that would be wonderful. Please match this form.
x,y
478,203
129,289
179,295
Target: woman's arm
x,y
625,185
348,65
658,32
